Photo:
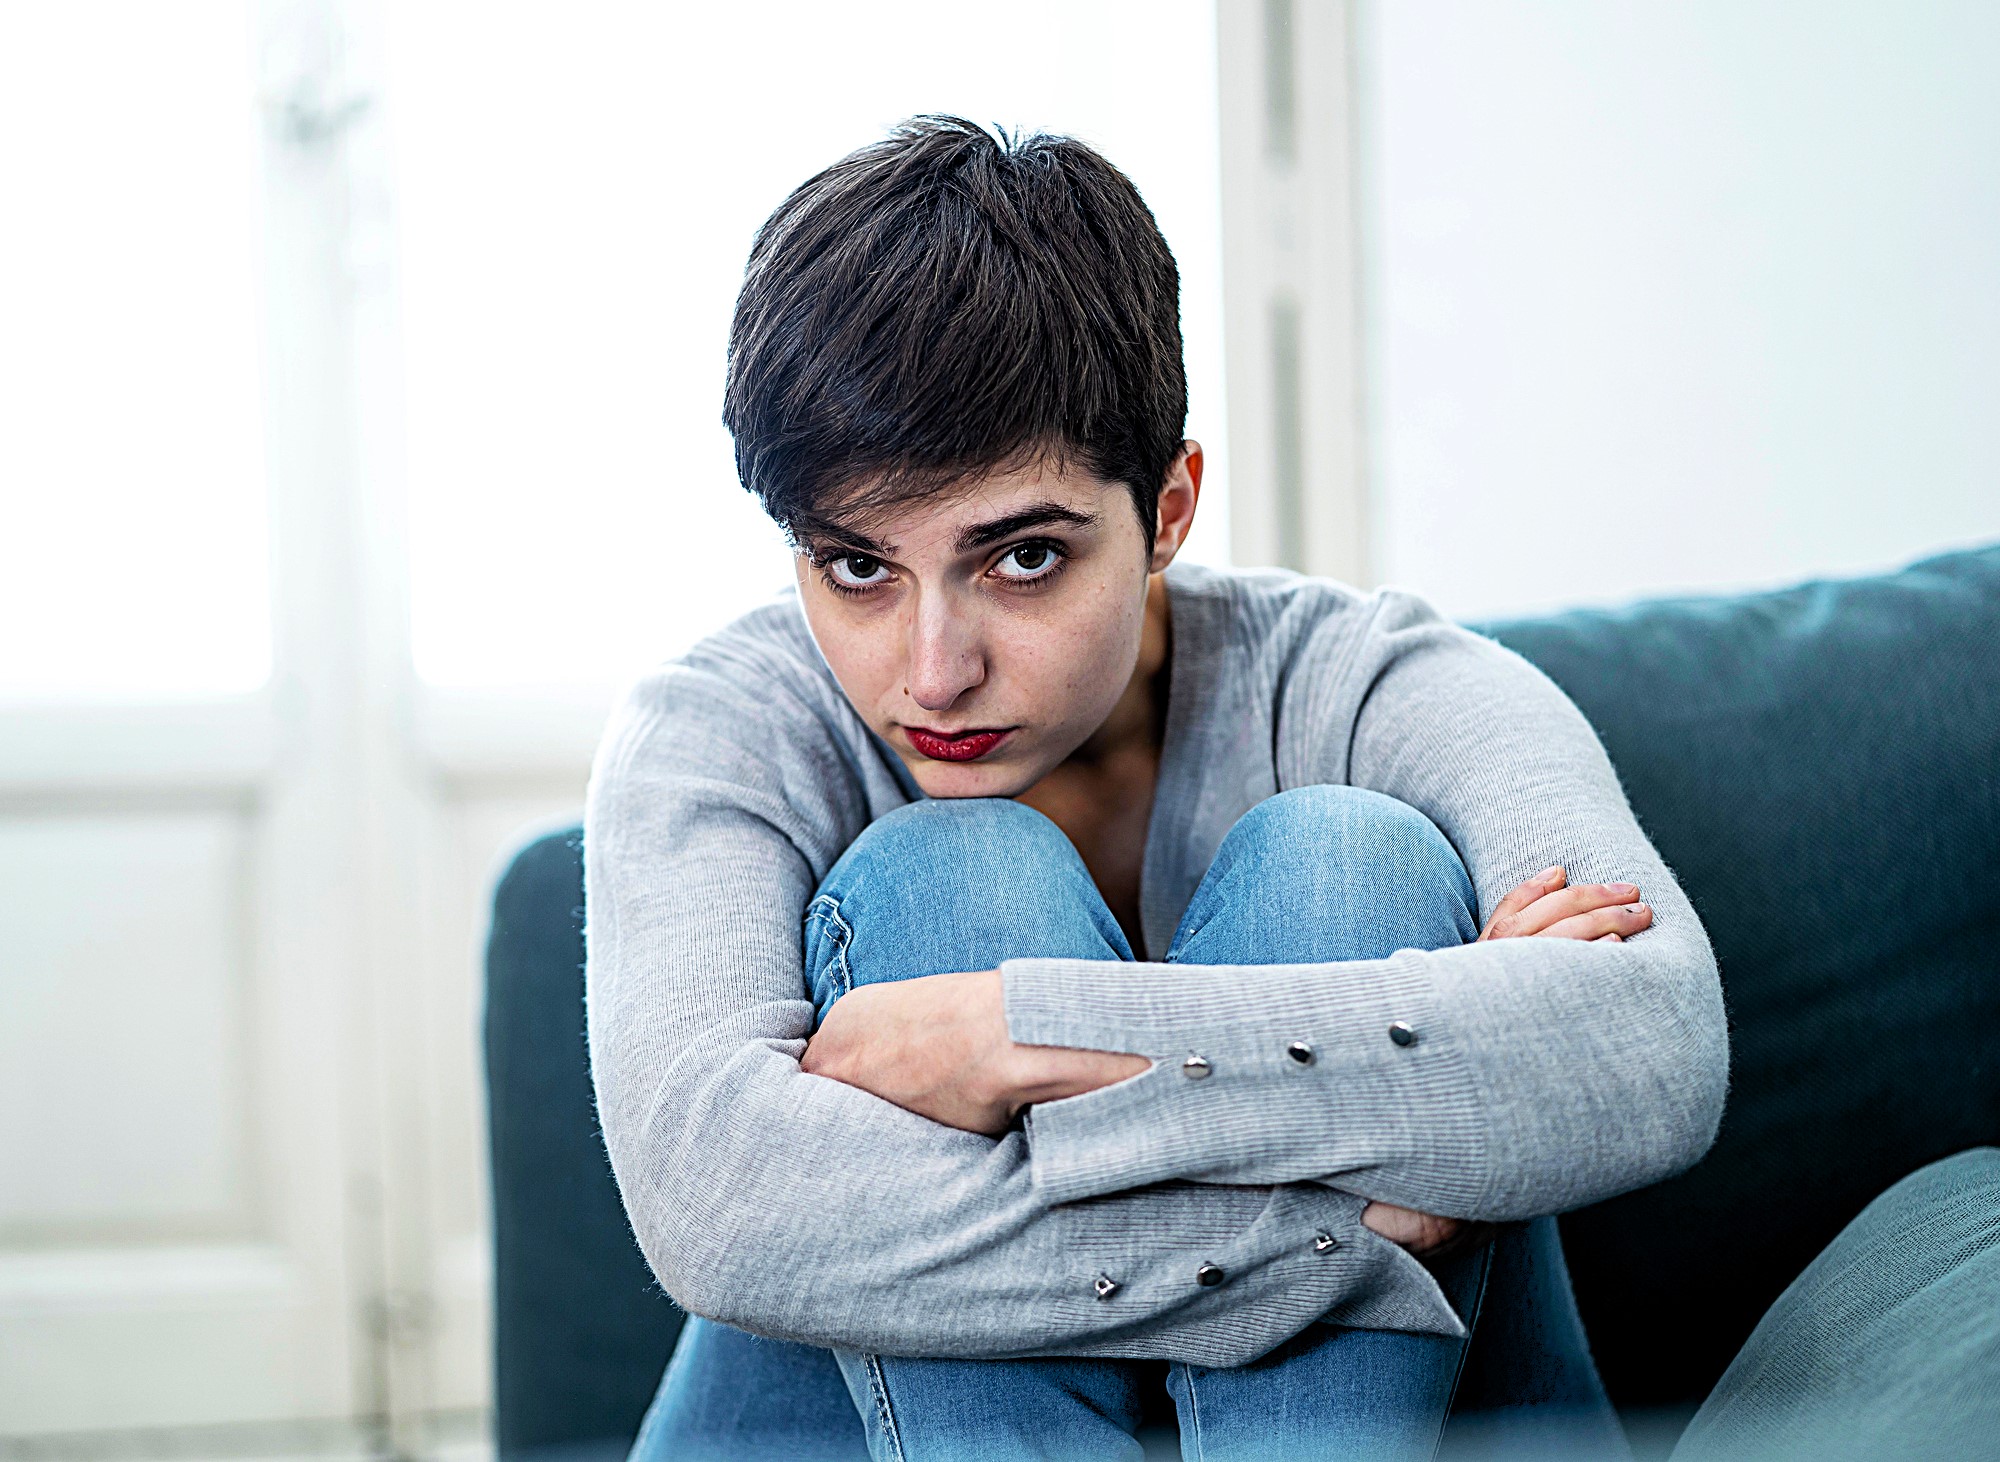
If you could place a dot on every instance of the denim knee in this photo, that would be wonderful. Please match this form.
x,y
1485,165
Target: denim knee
x,y
950,884
1328,873
905,861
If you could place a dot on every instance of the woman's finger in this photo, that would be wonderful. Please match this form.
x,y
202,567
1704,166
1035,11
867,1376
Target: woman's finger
x,y
1545,882
1420,1233
1469,1235
1622,920
1565,903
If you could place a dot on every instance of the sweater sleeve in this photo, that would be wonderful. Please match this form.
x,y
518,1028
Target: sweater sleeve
x,y
798,1207
1546,1073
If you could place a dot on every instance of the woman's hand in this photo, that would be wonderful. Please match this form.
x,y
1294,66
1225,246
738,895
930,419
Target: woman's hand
x,y
1424,1234
938,1046
1546,907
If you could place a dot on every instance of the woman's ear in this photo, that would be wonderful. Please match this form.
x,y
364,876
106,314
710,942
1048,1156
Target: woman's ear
x,y
1178,495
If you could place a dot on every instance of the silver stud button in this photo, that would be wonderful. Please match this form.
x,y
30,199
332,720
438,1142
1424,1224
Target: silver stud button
x,y
1196,1068
1302,1052
1324,1242
1106,1286
1210,1275
1403,1033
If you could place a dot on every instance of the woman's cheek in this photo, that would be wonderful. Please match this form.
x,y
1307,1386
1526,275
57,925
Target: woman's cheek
x,y
869,679
1104,668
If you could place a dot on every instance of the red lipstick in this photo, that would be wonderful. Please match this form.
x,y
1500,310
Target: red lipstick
x,y
955,745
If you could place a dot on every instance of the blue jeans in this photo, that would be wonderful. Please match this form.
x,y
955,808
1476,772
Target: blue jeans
x,y
1311,875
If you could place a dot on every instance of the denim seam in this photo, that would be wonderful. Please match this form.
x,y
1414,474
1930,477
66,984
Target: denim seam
x,y
826,909
878,1386
1194,1410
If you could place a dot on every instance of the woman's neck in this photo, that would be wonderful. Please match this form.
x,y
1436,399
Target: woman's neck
x,y
1101,796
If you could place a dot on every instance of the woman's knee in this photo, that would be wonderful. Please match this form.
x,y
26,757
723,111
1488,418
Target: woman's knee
x,y
1364,835
1350,873
1363,822
947,849
952,884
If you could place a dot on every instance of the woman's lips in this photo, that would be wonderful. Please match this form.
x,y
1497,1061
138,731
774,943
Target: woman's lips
x,y
956,745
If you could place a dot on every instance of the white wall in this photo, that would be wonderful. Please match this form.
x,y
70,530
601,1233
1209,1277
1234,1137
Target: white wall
x,y
1666,296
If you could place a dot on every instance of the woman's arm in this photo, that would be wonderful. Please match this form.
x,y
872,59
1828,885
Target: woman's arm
x,y
800,1207
938,1045
1548,1073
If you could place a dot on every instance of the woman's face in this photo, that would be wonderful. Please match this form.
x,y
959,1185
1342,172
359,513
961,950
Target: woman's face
x,y
985,633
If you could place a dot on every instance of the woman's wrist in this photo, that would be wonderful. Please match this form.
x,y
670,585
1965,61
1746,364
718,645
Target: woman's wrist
x,y
1050,1073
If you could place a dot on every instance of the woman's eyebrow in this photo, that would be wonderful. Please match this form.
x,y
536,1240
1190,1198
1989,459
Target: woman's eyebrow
x,y
820,536
1041,515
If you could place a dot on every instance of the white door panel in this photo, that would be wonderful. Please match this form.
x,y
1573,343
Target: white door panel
x,y
124,1093
151,1336
173,1220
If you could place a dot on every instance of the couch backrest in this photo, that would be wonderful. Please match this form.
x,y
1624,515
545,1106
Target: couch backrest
x,y
1821,768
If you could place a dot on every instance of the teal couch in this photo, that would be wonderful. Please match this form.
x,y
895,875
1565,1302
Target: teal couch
x,y
1820,765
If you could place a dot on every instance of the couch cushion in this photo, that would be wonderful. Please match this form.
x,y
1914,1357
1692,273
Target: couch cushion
x,y
1887,1346
1821,768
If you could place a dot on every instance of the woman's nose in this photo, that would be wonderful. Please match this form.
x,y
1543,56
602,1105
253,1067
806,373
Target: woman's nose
x,y
945,659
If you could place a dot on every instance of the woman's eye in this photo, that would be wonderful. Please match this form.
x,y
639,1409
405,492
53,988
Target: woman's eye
x,y
1029,561
857,570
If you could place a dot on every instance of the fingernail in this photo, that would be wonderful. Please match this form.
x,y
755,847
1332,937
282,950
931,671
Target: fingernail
x,y
1548,874
1637,908
1623,890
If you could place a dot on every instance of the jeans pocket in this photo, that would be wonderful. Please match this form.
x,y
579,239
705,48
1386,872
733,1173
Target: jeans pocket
x,y
827,936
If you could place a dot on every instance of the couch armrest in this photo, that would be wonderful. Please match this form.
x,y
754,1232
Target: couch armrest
x,y
582,1331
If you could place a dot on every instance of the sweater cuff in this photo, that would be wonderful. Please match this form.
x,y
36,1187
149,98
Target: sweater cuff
x,y
1306,1258
1266,1073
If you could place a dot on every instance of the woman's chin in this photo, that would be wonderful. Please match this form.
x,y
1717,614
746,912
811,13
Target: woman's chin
x,y
980,778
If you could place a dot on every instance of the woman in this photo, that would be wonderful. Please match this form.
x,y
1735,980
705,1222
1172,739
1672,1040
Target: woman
x,y
1054,980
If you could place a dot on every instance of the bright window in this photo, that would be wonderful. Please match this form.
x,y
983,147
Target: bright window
x,y
132,522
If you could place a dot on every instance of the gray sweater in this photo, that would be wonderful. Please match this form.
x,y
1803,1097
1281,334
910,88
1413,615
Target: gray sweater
x,y
1549,1073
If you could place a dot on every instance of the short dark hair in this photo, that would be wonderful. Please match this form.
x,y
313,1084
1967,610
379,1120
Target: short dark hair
x,y
948,302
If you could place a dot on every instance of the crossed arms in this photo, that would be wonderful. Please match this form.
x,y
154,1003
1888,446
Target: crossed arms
x,y
797,1206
